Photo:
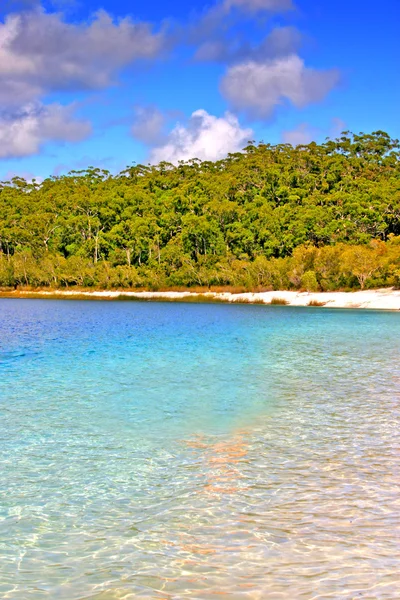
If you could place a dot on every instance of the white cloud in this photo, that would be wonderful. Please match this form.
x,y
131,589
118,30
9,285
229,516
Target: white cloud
x,y
148,124
40,53
260,5
205,137
23,133
257,88
300,135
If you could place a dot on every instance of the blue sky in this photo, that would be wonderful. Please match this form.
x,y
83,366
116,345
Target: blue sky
x,y
115,82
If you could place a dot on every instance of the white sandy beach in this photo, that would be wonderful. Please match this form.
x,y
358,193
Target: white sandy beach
x,y
382,299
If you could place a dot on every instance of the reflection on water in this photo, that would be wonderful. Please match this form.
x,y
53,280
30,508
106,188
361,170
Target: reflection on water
x,y
162,451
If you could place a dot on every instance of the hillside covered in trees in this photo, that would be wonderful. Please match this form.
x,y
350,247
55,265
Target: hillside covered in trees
x,y
315,217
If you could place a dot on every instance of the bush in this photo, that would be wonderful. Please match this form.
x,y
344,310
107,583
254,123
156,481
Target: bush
x,y
316,303
309,281
279,301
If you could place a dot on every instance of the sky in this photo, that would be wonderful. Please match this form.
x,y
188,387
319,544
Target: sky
x,y
115,82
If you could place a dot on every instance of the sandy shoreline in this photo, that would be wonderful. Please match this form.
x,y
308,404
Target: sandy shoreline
x,y
382,299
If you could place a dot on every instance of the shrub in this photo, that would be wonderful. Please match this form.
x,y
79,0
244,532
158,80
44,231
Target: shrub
x,y
279,301
316,303
309,281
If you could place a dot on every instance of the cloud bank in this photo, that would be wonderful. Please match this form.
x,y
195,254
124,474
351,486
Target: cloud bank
x,y
42,53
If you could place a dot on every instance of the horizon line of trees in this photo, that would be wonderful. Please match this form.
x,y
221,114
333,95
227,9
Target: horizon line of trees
x,y
319,216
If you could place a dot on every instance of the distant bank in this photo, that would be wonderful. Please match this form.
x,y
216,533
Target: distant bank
x,y
381,299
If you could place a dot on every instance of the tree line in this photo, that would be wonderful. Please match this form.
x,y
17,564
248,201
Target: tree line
x,y
315,217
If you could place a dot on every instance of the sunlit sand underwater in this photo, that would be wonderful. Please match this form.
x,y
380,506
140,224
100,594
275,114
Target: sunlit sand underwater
x,y
158,450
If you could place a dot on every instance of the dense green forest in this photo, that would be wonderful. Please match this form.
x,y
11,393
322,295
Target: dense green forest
x,y
314,217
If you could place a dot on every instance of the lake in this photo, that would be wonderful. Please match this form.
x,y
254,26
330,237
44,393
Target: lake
x,y
171,450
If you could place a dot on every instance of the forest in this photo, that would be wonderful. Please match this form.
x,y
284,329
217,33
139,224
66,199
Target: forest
x,y
314,217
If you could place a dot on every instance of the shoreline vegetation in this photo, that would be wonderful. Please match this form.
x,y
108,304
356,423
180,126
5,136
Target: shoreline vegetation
x,y
381,299
318,218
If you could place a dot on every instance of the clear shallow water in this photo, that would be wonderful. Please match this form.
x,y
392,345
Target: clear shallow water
x,y
185,451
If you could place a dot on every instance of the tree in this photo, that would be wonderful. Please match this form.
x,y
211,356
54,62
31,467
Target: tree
x,y
362,262
271,216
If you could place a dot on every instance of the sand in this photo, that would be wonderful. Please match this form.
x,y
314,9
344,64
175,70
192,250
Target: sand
x,y
382,299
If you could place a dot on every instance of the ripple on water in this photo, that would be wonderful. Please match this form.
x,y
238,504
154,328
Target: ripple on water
x,y
169,451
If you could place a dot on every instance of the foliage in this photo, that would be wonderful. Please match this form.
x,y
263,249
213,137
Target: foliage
x,y
315,217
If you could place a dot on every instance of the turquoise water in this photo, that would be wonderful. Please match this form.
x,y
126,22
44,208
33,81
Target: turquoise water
x,y
168,450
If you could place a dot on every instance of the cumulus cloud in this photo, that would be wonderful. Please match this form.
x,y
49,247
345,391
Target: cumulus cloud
x,y
205,136
257,88
300,135
148,124
282,41
23,133
41,53
260,5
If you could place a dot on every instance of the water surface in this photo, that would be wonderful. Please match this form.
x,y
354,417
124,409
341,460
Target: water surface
x,y
158,450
